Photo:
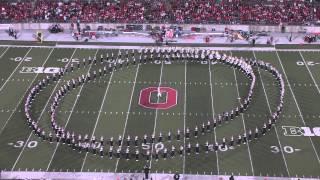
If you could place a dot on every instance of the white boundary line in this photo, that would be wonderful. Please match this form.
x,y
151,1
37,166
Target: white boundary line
x,y
156,114
184,117
213,113
74,105
20,102
140,176
295,100
5,124
43,110
15,69
98,117
129,107
275,128
244,125
4,52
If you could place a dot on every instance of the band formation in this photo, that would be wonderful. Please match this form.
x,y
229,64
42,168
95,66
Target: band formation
x,y
129,147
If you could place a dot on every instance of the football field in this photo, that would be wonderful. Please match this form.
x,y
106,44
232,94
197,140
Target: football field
x,y
110,106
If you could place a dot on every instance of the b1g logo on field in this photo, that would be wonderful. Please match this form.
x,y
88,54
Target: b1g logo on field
x,y
158,97
301,131
40,70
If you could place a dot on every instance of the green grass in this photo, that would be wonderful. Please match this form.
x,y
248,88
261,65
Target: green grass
x,y
209,90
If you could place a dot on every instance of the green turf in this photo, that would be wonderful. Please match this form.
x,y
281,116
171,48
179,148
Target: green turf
x,y
101,107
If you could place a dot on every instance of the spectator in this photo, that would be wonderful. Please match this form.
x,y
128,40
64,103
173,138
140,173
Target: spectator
x,y
151,11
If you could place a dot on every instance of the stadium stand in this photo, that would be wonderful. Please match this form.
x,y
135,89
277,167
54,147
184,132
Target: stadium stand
x,y
272,12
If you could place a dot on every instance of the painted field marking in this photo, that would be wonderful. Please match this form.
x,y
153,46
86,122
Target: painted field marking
x,y
295,100
269,107
74,104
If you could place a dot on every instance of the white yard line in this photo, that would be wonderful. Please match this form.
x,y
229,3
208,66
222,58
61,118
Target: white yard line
x,y
299,110
4,52
213,113
98,117
20,103
1,88
275,128
156,115
314,81
244,125
74,105
43,110
184,117
5,124
125,176
128,112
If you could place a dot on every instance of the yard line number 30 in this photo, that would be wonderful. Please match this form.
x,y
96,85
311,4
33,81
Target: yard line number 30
x,y
30,144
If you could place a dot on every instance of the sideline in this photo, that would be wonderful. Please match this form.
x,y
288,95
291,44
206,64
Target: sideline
x,y
102,175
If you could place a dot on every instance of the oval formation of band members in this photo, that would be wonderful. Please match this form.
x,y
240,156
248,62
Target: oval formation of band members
x,y
129,147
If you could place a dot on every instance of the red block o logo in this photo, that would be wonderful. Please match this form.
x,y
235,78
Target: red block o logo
x,y
149,98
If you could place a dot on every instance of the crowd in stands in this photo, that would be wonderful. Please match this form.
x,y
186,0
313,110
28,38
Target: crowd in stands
x,y
162,11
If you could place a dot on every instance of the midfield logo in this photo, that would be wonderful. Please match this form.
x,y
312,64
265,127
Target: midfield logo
x,y
158,97
301,131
